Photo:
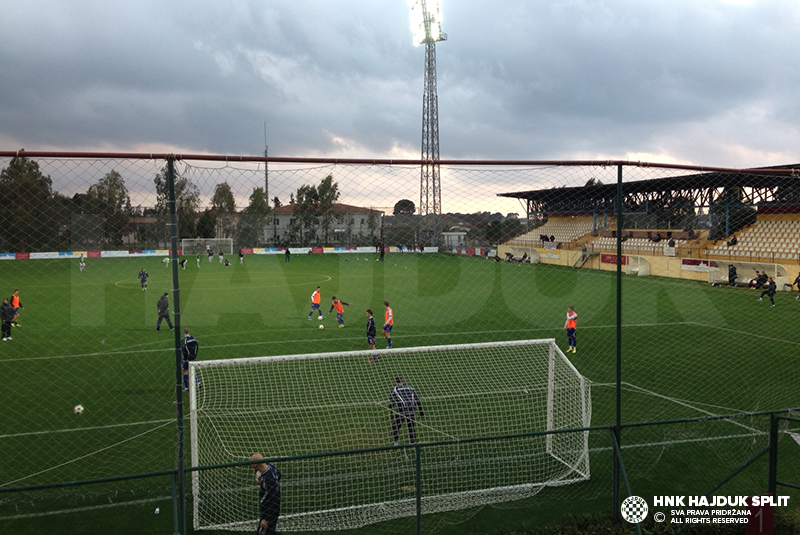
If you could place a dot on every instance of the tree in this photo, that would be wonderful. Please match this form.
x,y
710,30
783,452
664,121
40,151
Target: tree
x,y
404,207
253,221
224,207
109,198
306,214
328,194
206,224
187,202
25,192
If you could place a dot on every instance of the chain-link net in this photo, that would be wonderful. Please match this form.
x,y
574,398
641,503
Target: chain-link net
x,y
515,246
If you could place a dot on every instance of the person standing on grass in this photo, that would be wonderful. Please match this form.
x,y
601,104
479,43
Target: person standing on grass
x,y
6,315
81,263
210,254
198,259
315,299
287,256
571,326
337,304
221,256
189,350
143,279
770,291
371,332
163,311
241,258
268,478
16,305
388,323
403,405
732,275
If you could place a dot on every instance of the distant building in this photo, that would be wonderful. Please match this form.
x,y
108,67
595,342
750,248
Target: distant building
x,y
348,226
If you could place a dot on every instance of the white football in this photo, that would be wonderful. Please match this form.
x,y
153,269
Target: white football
x,y
78,409
321,327
319,318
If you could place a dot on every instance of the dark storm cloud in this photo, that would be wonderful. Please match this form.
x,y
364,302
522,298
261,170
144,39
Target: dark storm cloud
x,y
711,82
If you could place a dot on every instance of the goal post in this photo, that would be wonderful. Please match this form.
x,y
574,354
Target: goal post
x,y
199,245
339,402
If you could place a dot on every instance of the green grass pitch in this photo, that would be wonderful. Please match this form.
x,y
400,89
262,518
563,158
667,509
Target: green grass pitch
x,y
89,337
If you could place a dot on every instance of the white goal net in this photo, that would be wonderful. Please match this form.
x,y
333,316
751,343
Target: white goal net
x,y
201,245
336,402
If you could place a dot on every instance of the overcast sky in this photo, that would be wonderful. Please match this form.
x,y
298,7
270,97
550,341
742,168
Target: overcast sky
x,y
711,82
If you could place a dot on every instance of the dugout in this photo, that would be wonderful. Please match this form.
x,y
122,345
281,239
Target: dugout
x,y
747,270
637,265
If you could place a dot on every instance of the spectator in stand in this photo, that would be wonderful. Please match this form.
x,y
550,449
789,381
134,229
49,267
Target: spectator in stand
x,y
671,242
733,241
657,238
552,238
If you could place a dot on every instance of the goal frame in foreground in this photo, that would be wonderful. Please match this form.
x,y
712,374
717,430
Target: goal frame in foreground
x,y
573,459
198,245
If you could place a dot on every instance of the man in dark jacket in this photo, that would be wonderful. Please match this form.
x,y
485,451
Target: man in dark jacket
x,y
163,311
732,275
6,315
268,478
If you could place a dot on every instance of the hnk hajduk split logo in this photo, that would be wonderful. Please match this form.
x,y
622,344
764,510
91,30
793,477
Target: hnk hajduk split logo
x,y
634,509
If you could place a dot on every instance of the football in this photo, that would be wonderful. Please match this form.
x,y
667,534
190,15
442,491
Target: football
x,y
320,328
78,409
320,318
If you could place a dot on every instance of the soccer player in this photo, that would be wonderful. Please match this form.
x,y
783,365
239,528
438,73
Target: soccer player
x,y
6,315
210,253
182,263
571,326
163,311
403,404
226,263
81,263
315,298
388,323
198,259
797,282
189,350
337,304
221,257
268,478
16,305
241,258
143,279
770,291
166,261
371,332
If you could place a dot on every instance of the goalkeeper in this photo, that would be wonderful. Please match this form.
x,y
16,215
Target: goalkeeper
x,y
403,404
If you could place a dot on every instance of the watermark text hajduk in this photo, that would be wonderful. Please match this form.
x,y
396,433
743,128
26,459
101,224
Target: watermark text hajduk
x,y
719,501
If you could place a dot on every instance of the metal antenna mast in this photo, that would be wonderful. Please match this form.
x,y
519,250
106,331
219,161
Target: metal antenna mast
x,y
426,22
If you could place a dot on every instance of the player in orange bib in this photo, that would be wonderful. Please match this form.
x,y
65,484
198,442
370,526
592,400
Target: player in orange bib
x,y
571,327
387,324
337,304
16,304
315,298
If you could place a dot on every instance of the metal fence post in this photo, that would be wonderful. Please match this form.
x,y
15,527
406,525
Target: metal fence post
x,y
772,476
176,304
418,450
615,498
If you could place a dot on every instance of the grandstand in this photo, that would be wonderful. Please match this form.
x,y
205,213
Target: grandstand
x,y
772,237
639,245
562,229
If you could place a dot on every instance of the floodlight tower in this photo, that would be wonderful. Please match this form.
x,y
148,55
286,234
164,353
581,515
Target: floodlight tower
x,y
426,23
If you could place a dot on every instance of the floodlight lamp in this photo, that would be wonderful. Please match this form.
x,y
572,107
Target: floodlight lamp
x,y
426,21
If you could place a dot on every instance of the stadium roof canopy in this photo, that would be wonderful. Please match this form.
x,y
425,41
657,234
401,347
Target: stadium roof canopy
x,y
773,185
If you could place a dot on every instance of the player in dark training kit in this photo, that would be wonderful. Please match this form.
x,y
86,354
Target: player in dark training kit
x,y
189,350
403,404
143,279
268,478
371,333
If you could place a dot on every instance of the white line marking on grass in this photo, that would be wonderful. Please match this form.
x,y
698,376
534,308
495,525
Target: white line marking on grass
x,y
742,332
50,431
12,483
88,508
